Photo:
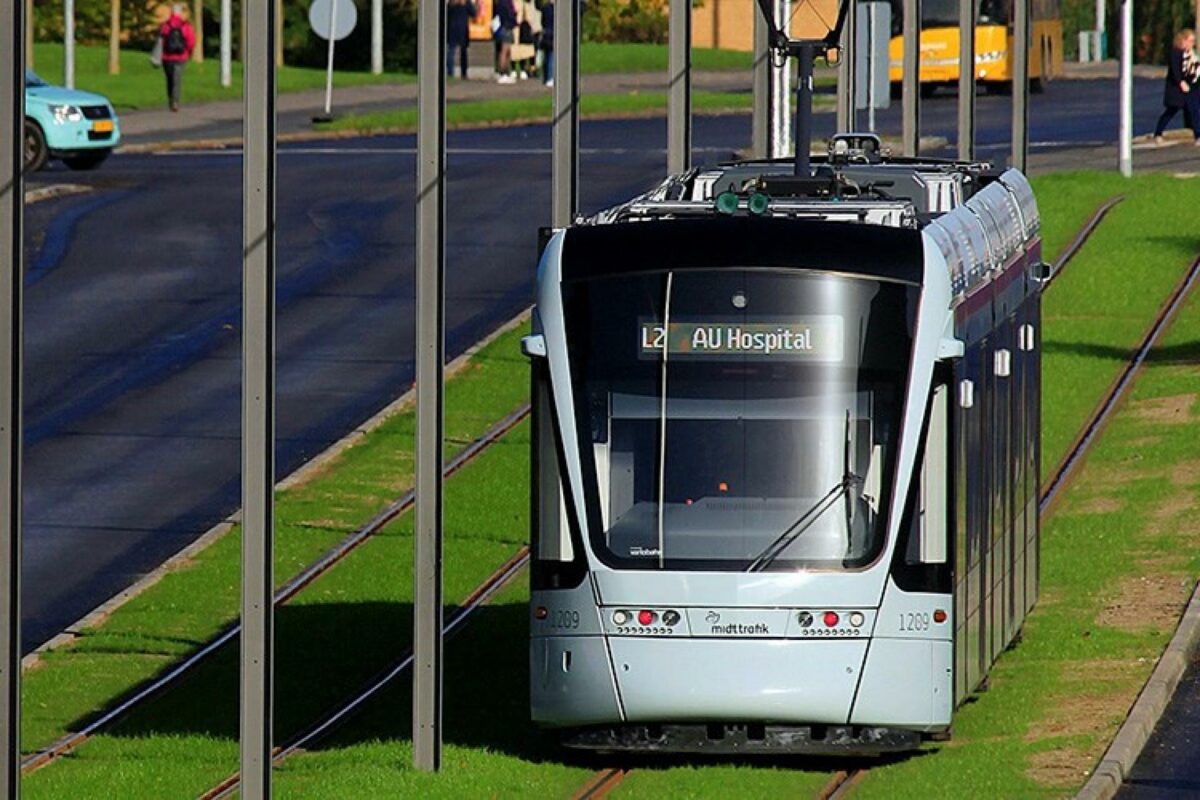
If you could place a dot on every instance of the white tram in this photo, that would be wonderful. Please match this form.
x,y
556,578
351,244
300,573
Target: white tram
x,y
785,461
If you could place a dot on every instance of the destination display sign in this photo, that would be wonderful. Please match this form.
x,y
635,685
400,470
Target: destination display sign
x,y
815,338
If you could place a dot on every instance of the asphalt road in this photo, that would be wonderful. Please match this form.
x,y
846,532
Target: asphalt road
x,y
1168,768
133,311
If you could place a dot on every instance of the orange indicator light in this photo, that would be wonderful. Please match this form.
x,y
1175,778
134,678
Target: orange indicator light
x,y
540,613
723,486
939,616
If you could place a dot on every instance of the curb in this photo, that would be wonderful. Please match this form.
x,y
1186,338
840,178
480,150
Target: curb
x,y
304,473
1122,754
57,190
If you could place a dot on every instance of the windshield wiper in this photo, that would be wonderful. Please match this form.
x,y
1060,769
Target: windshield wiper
x,y
805,521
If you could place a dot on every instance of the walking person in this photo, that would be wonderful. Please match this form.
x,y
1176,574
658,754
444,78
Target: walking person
x,y
177,38
1180,92
547,42
504,22
459,14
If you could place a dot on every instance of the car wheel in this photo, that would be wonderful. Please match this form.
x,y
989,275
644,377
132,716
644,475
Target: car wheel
x,y
88,161
37,153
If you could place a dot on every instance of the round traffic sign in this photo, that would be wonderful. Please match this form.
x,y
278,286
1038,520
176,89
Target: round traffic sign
x,y
336,16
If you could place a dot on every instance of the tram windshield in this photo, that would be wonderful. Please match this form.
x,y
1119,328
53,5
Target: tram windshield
x,y
738,419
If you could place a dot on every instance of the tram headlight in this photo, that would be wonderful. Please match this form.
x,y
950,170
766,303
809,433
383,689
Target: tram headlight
x,y
805,619
670,618
646,617
831,619
620,617
857,619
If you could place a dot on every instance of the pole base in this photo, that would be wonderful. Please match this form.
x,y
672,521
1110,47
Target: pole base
x,y
323,117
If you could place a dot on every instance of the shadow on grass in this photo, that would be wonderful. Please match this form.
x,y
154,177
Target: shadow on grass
x,y
326,652
1183,353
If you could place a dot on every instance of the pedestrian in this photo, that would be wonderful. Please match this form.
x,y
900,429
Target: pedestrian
x,y
529,30
547,42
1180,92
459,14
504,22
178,40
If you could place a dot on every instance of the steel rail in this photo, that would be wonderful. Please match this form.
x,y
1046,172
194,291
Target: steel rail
x,y
1084,233
72,741
473,602
1116,392
601,784
841,784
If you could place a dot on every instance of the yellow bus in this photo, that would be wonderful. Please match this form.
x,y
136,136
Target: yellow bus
x,y
993,44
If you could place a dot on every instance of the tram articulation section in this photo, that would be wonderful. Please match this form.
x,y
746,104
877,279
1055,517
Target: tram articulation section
x,y
785,457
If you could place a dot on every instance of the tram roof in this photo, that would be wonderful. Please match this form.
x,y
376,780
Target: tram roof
x,y
978,218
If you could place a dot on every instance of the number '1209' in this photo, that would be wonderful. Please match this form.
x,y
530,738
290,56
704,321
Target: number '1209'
x,y
914,621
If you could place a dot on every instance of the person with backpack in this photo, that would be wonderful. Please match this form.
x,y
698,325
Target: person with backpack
x,y
177,40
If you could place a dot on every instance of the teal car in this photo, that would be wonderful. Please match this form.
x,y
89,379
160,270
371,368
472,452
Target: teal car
x,y
80,128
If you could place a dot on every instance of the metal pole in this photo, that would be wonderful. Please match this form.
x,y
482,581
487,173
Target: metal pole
x,y
565,127
847,71
258,398
114,37
29,22
679,99
1126,138
329,65
12,196
431,355
198,27
804,88
69,43
377,37
1020,85
760,134
226,43
966,79
910,100
873,66
279,33
781,92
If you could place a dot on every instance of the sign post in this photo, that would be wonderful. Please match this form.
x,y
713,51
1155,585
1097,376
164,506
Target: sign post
x,y
332,20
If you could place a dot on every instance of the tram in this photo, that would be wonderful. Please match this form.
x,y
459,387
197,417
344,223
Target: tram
x,y
785,455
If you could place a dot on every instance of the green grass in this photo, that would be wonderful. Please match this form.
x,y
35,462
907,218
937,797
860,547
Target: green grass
x,y
141,85
600,57
186,740
190,605
1098,309
539,109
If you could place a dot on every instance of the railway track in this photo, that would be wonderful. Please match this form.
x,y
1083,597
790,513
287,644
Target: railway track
x,y
1083,234
476,600
175,674
606,780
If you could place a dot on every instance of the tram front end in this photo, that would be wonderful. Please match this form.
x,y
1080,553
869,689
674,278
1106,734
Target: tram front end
x,y
738,542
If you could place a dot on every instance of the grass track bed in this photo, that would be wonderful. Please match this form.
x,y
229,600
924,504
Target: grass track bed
x,y
191,605
1034,733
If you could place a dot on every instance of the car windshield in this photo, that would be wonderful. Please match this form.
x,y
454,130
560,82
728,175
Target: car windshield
x,y
738,419
32,80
